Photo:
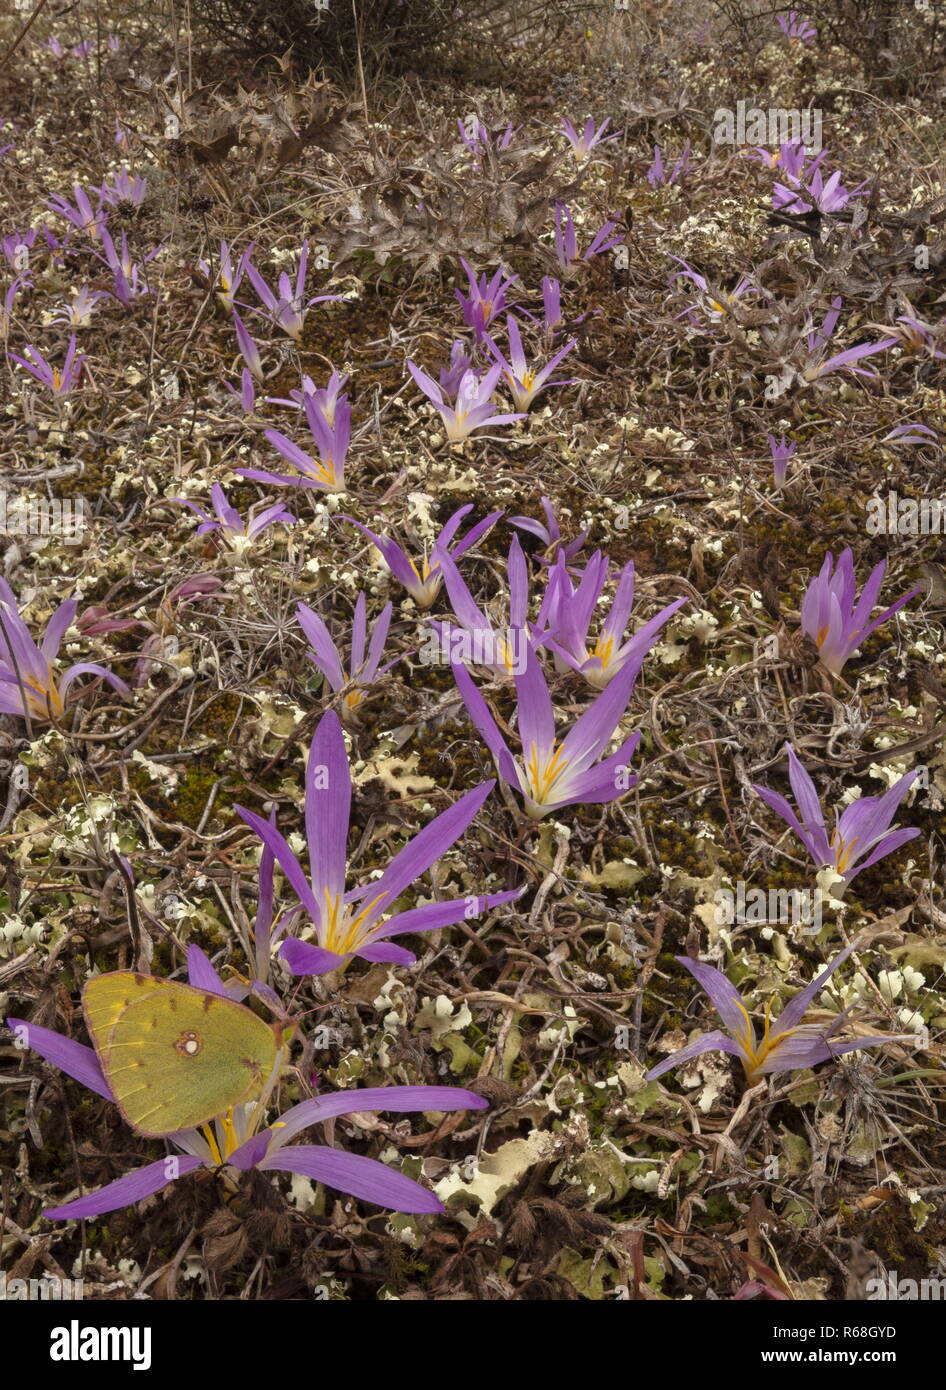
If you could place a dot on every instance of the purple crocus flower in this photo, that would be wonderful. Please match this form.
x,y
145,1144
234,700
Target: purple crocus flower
x,y
450,377
323,398
246,391
914,335
162,641
566,616
477,138
331,442
249,349
473,639
28,686
287,307
550,534
556,772
552,317
345,928
818,338
796,29
125,188
80,215
228,521
423,583
566,240
791,157
826,195
473,409
486,299
126,271
16,248
60,380
864,823
831,617
781,457
17,284
227,278
786,1044
713,304
96,620
364,668
78,312
234,1143
590,138
526,383
551,306
657,173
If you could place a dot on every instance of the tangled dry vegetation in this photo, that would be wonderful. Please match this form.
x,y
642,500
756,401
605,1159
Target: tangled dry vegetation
x,y
581,1180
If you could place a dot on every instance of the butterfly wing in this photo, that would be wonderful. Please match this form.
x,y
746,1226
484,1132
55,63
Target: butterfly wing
x,y
173,1055
104,999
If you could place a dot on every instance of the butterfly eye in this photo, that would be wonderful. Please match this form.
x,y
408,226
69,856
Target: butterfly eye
x,y
188,1044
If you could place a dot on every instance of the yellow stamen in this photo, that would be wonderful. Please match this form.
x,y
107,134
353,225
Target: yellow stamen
x,y
603,649
843,849
48,702
212,1143
424,573
342,933
543,776
756,1054
325,472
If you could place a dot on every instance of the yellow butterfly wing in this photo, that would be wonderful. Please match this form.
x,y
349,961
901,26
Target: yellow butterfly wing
x,y
173,1055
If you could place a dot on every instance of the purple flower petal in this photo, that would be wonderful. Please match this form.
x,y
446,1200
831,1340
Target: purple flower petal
x,y
129,1189
355,1174
73,1058
709,1042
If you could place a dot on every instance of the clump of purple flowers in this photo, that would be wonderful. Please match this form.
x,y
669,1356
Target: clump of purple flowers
x,y
556,771
796,29
861,834
28,685
786,1044
590,138
566,241
487,298
359,922
835,619
228,521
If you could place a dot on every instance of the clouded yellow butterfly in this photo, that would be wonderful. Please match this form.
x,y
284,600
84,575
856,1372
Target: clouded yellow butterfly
x,y
173,1055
